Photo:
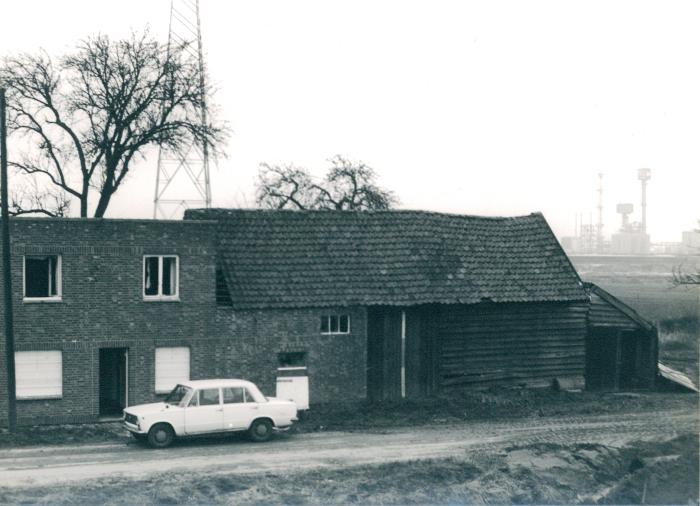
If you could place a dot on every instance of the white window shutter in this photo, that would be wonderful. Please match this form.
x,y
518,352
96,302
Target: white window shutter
x,y
38,374
172,367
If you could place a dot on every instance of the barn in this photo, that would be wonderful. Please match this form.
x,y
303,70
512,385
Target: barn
x,y
621,346
437,300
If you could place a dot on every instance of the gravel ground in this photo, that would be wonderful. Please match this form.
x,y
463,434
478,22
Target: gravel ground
x,y
47,465
611,458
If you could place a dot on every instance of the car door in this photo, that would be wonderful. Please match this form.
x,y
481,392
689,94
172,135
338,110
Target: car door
x,y
204,413
239,408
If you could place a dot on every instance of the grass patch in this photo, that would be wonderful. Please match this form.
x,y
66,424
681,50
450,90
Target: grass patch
x,y
65,434
494,404
679,346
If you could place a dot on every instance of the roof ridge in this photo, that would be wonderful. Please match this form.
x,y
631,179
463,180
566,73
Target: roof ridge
x,y
227,210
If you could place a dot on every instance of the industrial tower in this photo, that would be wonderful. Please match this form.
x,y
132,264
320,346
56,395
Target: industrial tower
x,y
644,175
182,180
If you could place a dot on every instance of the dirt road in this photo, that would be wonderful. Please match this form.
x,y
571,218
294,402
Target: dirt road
x,y
62,464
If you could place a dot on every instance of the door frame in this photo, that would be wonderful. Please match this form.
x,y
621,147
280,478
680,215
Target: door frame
x,y
122,384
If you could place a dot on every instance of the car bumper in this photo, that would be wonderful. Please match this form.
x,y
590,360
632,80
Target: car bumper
x,y
133,428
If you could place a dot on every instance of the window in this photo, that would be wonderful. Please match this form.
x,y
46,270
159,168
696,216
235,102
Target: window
x,y
177,395
291,359
335,324
223,296
206,397
172,367
234,395
39,374
160,277
42,277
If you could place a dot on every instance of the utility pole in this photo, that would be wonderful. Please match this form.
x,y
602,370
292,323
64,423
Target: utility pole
x,y
599,226
7,273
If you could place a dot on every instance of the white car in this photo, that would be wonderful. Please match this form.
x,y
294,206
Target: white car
x,y
209,406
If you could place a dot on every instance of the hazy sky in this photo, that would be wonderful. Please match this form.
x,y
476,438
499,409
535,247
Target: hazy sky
x,y
496,108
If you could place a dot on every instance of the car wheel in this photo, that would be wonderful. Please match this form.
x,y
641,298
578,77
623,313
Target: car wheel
x,y
160,435
261,430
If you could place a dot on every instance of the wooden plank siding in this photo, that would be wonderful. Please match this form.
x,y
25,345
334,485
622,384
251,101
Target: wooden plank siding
x,y
524,343
621,347
384,355
474,345
603,314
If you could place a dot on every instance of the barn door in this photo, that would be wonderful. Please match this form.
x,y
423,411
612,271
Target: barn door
x,y
397,358
384,353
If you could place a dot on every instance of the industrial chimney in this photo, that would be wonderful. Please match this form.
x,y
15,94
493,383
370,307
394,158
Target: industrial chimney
x,y
644,175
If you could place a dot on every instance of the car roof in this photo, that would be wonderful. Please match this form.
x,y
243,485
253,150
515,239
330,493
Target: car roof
x,y
216,383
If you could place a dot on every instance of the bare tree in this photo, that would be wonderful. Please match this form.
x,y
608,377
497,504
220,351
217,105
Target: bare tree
x,y
685,278
284,187
347,186
31,199
86,117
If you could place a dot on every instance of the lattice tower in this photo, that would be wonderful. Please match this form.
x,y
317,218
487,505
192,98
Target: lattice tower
x,y
182,180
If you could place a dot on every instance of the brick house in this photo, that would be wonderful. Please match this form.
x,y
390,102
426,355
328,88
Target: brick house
x,y
378,305
86,327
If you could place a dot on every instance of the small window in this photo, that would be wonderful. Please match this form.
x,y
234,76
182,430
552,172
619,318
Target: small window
x,y
234,395
42,277
38,374
172,367
335,324
291,359
223,296
160,277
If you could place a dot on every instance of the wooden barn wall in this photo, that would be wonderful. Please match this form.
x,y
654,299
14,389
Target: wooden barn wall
x,y
618,358
520,344
604,314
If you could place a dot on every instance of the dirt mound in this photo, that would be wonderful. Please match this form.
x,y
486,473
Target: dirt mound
x,y
546,473
666,473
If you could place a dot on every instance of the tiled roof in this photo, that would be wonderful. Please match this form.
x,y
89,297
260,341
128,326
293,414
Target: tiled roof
x,y
278,259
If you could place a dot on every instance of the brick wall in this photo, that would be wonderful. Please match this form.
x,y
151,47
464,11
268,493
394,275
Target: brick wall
x,y
102,302
336,363
102,306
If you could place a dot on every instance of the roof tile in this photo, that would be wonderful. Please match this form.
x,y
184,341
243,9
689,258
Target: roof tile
x,y
281,258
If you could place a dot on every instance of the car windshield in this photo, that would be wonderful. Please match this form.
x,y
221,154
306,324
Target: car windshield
x,y
178,393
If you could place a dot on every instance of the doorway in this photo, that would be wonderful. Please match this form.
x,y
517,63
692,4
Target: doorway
x,y
113,380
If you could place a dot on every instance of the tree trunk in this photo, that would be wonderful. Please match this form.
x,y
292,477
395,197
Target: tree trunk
x,y
84,200
105,197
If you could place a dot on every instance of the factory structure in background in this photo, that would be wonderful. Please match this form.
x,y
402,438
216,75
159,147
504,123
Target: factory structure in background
x,y
632,237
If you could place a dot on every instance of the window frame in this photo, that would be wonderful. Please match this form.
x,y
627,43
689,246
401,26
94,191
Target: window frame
x,y
331,332
59,279
43,396
159,296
